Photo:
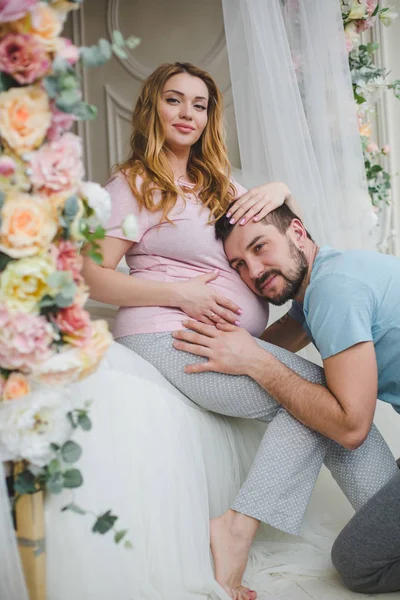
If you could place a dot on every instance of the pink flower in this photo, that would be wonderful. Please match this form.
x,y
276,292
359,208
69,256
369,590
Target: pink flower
x,y
25,340
372,147
68,259
57,166
11,10
364,24
386,149
60,122
74,324
68,51
22,57
7,166
371,6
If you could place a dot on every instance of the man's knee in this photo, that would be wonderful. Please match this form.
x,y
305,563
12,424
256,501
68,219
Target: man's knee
x,y
357,577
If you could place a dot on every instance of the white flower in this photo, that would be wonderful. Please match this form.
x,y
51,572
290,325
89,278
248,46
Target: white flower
x,y
28,425
388,16
99,201
358,10
130,227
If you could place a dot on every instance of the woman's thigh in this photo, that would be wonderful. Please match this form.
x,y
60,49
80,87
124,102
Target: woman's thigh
x,y
232,395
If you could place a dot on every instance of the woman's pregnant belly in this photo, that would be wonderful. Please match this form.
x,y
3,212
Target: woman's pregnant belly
x,y
152,319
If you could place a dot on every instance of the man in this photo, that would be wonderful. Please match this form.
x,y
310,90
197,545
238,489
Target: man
x,y
348,305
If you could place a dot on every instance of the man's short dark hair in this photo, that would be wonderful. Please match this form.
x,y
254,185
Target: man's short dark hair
x,y
281,218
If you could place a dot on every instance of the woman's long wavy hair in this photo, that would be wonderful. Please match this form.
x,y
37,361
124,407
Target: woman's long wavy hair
x,y
208,165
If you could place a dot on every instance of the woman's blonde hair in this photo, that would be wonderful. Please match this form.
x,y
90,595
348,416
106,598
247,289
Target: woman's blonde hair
x,y
208,165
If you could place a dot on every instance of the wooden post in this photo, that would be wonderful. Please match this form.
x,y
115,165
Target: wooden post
x,y
29,513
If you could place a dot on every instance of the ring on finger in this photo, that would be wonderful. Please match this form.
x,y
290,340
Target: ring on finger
x,y
212,315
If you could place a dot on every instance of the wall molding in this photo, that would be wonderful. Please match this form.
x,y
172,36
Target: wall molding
x,y
78,39
117,111
140,71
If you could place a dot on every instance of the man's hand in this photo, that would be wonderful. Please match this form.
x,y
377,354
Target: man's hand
x,y
229,349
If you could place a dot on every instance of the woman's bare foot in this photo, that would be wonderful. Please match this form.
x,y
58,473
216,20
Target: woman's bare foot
x,y
231,536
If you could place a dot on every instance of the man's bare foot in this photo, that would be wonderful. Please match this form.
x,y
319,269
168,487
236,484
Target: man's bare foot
x,y
231,536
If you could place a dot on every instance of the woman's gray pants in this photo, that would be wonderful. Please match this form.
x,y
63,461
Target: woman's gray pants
x,y
367,552
283,475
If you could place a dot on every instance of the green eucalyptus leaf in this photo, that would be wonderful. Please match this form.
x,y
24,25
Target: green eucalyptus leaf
x,y
92,56
84,111
67,100
4,260
74,508
71,452
71,207
120,535
132,42
55,483
104,523
25,483
72,478
51,85
118,38
120,52
84,422
128,545
105,48
54,466
6,82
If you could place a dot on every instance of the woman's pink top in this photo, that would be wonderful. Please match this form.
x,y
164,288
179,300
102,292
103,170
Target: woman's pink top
x,y
176,252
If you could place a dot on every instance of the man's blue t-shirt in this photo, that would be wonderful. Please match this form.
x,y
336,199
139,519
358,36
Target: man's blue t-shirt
x,y
354,297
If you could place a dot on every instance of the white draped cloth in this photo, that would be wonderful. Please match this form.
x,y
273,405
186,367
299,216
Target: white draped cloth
x,y
159,462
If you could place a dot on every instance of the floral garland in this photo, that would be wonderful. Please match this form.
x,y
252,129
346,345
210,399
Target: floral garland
x,y
369,81
47,211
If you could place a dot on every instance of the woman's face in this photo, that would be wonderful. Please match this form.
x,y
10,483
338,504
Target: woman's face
x,y
183,110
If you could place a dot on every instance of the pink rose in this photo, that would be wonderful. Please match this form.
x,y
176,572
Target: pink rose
x,y
386,149
364,24
68,51
372,147
74,323
11,10
371,6
25,340
22,57
68,259
60,122
7,166
57,167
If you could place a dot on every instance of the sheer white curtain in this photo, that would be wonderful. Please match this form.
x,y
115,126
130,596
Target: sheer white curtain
x,y
12,584
295,112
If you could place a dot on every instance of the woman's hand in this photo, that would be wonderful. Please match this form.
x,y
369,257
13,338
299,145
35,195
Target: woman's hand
x,y
201,302
260,201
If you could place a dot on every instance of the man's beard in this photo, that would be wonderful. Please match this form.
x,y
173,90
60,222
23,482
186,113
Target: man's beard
x,y
293,281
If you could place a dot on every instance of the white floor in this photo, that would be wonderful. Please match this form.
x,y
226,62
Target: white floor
x,y
322,589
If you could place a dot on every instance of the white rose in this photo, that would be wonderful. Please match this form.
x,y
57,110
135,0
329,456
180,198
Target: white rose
x,y
130,227
28,425
99,201
358,10
388,16
59,369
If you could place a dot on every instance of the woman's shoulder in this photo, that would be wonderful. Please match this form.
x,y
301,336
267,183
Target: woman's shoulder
x,y
118,183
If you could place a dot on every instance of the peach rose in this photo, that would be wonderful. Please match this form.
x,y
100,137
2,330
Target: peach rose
x,y
46,25
92,353
24,118
17,385
68,259
27,225
74,324
57,166
365,130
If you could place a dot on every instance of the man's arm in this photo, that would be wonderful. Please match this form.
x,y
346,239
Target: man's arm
x,y
344,410
286,333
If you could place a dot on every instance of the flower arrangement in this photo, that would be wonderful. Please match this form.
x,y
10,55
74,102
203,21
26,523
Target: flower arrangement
x,y
47,338
369,82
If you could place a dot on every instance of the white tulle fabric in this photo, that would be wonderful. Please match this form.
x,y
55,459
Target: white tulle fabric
x,y
12,584
295,112
165,467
